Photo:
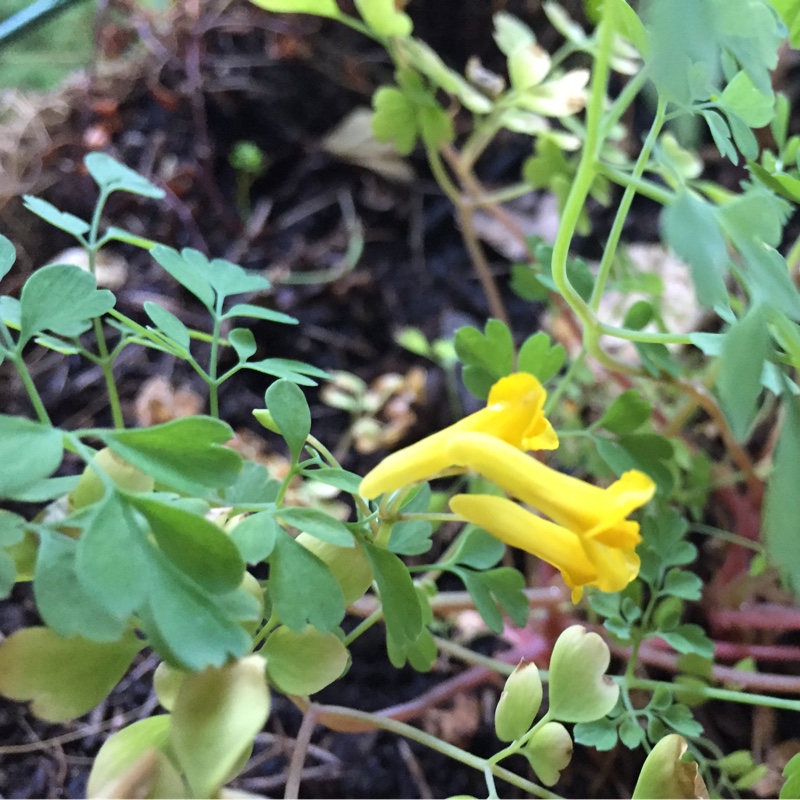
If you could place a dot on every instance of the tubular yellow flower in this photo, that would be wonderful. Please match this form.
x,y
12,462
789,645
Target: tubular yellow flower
x,y
513,416
589,540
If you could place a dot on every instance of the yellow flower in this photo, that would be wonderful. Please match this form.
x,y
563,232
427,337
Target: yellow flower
x,y
513,416
590,540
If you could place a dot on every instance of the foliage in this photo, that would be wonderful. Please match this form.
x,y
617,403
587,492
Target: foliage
x,y
156,543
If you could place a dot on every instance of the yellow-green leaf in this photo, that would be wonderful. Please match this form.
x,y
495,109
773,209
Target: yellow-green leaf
x,y
217,714
64,678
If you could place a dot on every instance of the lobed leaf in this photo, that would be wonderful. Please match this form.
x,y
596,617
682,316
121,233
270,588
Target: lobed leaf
x,y
111,176
34,449
63,299
185,454
64,678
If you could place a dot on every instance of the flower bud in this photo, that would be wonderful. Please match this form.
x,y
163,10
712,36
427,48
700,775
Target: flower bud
x,y
549,751
579,689
265,418
665,775
519,702
91,488
349,565
167,682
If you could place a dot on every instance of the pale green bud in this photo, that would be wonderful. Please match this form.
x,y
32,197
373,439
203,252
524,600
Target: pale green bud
x,y
167,682
528,66
665,775
519,702
580,691
549,751
265,418
349,565
91,487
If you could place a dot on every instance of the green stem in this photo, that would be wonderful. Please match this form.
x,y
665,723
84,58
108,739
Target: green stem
x,y
434,743
623,100
363,626
500,195
30,388
713,693
644,336
644,187
213,383
106,361
624,207
569,375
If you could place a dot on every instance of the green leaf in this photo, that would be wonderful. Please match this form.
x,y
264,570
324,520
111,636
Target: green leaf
x,y
384,18
493,590
340,478
631,27
111,176
244,343
631,734
539,357
58,219
628,412
304,662
289,409
487,356
186,454
255,536
436,126
227,278
322,8
8,255
413,537
119,582
782,509
791,788
401,606
686,585
744,350
319,524
290,370
395,119
189,627
190,268
721,134
253,485
689,638
216,716
35,451
647,452
790,14
526,283
478,549
692,231
168,324
420,653
679,717
63,299
65,606
258,312
302,588
600,734
742,98
64,678
197,547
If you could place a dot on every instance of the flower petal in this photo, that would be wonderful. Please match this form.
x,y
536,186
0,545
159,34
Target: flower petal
x,y
513,416
517,527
